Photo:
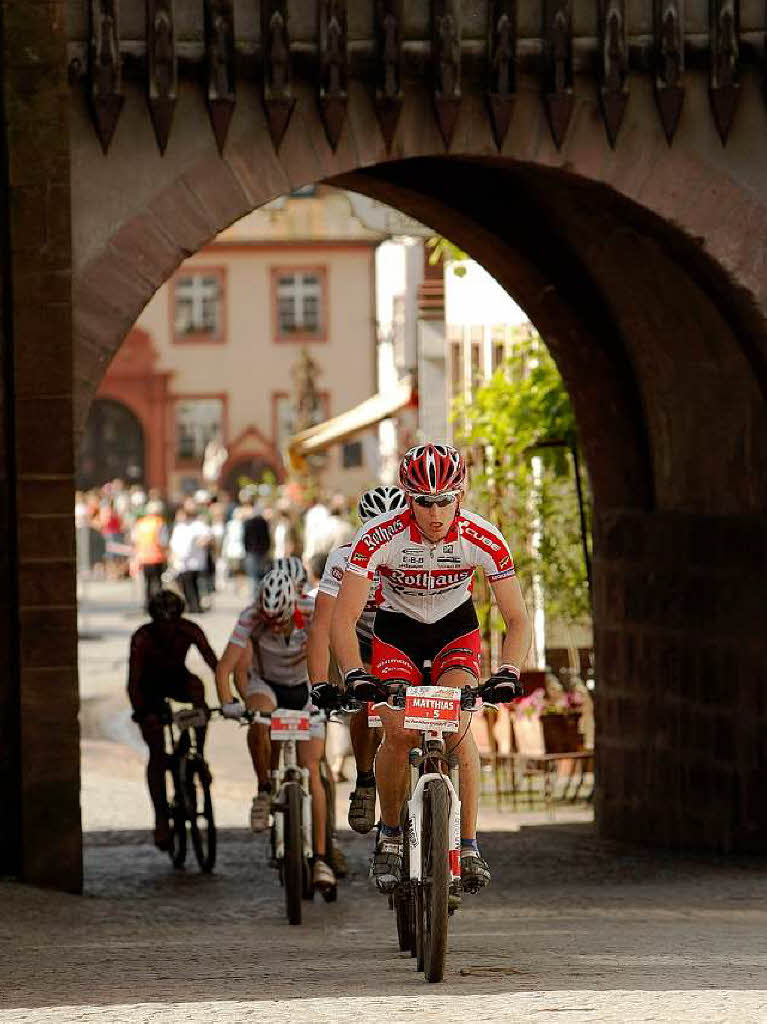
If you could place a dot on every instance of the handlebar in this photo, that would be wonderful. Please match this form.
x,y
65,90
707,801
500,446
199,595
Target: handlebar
x,y
469,695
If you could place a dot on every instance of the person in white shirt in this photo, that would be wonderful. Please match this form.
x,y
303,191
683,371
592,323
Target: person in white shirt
x,y
188,547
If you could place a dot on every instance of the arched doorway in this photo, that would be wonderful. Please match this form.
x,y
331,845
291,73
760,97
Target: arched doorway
x,y
249,470
113,446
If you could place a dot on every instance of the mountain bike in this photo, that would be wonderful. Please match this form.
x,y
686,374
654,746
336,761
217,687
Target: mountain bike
x,y
429,891
191,804
291,828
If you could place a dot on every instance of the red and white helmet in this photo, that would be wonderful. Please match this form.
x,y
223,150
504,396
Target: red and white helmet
x,y
277,598
432,469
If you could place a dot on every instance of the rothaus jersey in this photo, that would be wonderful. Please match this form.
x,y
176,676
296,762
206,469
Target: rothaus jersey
x,y
277,657
330,584
422,580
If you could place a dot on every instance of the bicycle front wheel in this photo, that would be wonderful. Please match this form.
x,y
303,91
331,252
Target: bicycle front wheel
x,y
293,860
403,895
435,879
200,810
177,821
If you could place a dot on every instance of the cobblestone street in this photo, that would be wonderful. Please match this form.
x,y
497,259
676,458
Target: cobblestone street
x,y
573,928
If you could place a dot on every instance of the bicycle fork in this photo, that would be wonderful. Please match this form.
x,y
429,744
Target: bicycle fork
x,y
418,784
288,773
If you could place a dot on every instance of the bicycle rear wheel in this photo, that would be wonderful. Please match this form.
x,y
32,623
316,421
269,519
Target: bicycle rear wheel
x,y
200,810
436,879
293,860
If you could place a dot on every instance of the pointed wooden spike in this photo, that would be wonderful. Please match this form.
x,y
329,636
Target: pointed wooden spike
x,y
388,109
221,111
278,113
447,109
559,107
501,109
613,109
333,110
161,112
669,99
724,100
106,111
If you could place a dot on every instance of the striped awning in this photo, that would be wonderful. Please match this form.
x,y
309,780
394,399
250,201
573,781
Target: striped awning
x,y
367,414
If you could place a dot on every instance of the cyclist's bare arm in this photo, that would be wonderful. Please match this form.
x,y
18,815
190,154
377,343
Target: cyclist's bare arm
x,y
207,652
351,600
243,665
318,649
511,605
224,669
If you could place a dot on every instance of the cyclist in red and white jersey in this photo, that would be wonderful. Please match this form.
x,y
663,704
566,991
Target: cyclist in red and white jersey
x,y
426,557
272,636
365,741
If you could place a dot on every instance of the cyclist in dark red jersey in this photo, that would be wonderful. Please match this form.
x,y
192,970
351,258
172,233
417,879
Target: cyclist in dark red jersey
x,y
426,557
157,671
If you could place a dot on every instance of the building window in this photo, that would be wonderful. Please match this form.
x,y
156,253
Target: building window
x,y
351,455
300,304
499,355
456,368
198,312
198,421
283,417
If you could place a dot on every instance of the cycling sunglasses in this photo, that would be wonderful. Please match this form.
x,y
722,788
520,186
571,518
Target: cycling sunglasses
x,y
440,500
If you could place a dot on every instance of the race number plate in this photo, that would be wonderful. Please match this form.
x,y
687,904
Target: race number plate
x,y
432,707
374,719
189,718
290,725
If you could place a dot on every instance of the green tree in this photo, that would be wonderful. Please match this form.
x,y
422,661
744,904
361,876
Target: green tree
x,y
523,412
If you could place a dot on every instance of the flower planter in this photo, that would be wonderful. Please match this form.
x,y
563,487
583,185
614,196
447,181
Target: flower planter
x,y
560,733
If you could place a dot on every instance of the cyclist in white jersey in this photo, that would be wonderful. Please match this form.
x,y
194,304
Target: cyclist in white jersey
x,y
426,557
273,636
365,741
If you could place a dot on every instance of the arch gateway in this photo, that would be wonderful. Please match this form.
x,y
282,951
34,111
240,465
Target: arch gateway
x,y
605,160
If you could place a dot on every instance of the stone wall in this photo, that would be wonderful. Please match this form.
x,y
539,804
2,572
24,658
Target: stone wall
x,y
41,838
682,703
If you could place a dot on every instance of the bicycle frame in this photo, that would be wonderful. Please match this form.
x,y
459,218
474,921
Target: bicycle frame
x,y
288,772
432,749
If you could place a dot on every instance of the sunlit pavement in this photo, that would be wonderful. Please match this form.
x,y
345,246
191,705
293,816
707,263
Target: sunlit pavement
x,y
573,928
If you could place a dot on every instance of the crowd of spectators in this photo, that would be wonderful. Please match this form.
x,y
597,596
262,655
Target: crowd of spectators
x,y
203,542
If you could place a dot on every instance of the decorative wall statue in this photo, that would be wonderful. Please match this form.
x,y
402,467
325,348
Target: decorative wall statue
x,y
161,67
446,64
278,95
105,67
669,73
334,67
725,53
558,71
388,91
219,46
613,91
502,45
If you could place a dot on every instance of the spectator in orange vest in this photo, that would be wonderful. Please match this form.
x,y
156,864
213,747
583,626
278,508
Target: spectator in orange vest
x,y
151,541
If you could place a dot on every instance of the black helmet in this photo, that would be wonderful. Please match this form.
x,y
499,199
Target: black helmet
x,y
166,605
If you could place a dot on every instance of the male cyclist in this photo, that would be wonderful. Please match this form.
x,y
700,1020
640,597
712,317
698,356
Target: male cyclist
x,y
158,670
365,741
295,568
272,632
426,557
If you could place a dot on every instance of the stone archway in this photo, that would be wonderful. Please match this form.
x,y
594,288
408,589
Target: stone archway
x,y
643,266
664,358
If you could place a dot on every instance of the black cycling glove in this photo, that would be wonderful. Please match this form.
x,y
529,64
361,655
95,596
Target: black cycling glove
x,y
503,686
363,686
326,696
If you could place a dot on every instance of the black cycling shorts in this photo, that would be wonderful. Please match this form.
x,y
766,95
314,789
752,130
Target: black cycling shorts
x,y
450,642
